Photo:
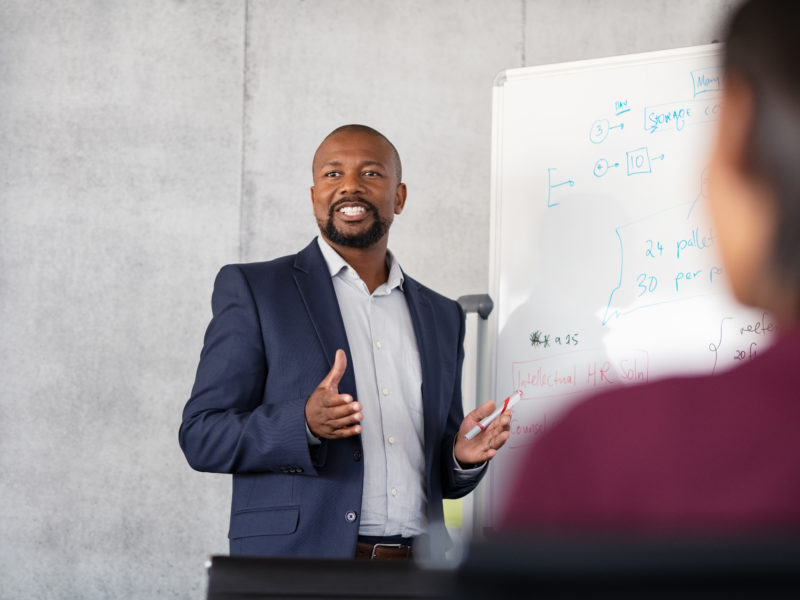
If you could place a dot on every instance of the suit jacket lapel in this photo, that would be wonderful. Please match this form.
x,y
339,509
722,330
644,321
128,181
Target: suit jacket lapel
x,y
425,330
316,289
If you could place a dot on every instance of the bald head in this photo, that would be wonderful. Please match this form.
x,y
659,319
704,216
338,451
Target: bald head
x,y
363,130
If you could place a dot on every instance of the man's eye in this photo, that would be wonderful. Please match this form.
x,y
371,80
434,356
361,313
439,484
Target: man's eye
x,y
371,174
332,174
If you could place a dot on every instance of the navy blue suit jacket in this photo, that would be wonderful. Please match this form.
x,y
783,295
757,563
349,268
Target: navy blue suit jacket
x,y
275,329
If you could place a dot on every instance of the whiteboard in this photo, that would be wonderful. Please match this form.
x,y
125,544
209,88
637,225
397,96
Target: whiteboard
x,y
604,268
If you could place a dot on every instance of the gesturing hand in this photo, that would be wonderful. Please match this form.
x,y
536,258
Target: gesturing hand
x,y
330,414
485,445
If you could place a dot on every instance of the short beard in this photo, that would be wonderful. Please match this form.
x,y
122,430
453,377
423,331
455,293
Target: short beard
x,y
368,238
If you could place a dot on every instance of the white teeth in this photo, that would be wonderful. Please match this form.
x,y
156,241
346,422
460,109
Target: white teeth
x,y
352,210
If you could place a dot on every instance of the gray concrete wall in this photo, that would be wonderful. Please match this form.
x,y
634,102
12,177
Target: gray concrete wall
x,y
143,144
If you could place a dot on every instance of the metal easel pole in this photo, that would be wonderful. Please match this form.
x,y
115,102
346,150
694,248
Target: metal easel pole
x,y
482,305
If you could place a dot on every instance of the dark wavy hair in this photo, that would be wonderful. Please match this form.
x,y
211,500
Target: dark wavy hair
x,y
763,48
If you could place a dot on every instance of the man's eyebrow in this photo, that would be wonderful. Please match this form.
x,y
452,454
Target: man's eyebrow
x,y
331,163
367,163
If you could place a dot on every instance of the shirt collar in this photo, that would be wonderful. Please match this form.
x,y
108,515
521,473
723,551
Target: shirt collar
x,y
336,263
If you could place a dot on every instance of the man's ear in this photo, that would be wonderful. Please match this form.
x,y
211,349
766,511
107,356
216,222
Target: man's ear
x,y
311,189
400,198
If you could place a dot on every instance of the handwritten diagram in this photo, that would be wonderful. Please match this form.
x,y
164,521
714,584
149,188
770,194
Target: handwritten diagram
x,y
656,268
601,236
701,106
600,130
741,339
553,184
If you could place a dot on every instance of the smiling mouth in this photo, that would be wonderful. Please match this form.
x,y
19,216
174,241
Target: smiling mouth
x,y
349,223
352,211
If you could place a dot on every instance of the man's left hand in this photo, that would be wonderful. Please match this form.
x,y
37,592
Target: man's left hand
x,y
485,445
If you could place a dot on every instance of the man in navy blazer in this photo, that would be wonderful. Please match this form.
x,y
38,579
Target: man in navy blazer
x,y
276,403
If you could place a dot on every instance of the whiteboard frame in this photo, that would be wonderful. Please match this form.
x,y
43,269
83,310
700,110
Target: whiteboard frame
x,y
509,76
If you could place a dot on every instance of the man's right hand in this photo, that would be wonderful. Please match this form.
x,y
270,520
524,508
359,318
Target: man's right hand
x,y
330,414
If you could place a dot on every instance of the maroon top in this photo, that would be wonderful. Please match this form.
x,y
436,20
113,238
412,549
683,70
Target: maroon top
x,y
716,454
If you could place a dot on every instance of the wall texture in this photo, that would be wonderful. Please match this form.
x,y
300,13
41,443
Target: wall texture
x,y
143,144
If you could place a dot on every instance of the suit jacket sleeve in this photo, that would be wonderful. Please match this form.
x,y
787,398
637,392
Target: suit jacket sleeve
x,y
452,486
226,426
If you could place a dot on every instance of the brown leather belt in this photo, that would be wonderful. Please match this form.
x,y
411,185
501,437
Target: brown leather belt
x,y
368,551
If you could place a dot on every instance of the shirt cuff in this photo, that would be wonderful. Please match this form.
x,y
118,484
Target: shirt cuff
x,y
312,439
465,475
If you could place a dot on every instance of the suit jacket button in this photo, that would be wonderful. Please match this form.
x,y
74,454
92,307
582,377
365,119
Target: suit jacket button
x,y
357,455
350,516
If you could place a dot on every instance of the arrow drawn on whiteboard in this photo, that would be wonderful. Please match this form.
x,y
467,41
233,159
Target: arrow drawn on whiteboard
x,y
602,166
661,157
569,182
600,130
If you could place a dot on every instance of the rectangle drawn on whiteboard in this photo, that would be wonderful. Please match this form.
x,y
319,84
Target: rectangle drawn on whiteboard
x,y
677,115
707,80
579,371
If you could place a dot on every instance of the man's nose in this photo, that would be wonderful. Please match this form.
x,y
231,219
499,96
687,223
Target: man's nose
x,y
351,182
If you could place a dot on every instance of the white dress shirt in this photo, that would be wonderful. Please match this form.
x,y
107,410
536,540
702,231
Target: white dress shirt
x,y
388,377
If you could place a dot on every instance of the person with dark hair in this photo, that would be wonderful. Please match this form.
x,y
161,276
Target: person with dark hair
x,y
717,454
329,383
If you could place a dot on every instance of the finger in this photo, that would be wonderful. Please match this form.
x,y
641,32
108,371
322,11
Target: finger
x,y
336,373
342,411
501,423
500,440
346,431
329,401
345,422
483,411
330,433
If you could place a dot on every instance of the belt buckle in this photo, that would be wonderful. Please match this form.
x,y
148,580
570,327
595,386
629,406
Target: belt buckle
x,y
395,546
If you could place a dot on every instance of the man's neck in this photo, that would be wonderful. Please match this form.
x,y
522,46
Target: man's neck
x,y
369,263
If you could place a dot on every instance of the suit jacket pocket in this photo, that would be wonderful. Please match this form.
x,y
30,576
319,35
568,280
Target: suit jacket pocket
x,y
276,520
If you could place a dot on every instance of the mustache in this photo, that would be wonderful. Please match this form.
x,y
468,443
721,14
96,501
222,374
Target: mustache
x,y
352,200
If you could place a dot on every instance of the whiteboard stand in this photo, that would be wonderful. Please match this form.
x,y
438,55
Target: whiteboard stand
x,y
482,305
